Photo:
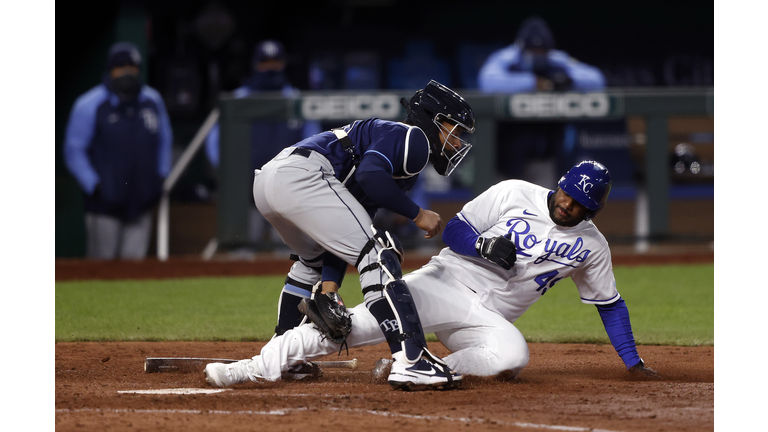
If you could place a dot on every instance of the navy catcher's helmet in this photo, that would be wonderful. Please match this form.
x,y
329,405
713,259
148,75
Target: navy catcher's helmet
x,y
589,183
429,107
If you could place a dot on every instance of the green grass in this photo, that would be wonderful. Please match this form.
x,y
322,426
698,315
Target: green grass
x,y
669,305
232,308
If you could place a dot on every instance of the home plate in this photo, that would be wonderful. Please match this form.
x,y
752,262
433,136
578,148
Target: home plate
x,y
175,391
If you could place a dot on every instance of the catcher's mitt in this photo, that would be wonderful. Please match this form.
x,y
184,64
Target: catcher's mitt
x,y
328,312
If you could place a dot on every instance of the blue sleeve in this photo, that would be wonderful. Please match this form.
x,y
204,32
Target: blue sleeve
x,y
502,72
78,137
212,145
165,148
334,268
495,75
212,150
166,141
615,318
374,176
212,140
587,78
418,194
460,237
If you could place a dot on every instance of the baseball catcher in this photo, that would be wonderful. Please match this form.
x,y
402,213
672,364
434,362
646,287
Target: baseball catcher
x,y
321,195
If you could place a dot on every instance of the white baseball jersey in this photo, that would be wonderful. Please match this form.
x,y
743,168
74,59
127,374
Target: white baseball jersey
x,y
546,252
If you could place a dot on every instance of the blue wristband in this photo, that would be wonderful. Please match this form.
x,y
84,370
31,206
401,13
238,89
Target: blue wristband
x,y
615,318
334,268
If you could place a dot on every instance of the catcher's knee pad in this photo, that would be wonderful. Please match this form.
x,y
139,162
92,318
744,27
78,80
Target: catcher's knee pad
x,y
398,319
390,253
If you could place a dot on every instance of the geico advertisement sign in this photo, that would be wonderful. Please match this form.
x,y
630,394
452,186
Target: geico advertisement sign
x,y
560,105
350,107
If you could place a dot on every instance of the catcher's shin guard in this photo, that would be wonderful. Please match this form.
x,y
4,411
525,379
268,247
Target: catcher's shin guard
x,y
398,319
395,311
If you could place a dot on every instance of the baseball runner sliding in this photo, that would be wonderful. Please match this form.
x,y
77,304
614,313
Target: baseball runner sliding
x,y
506,249
321,195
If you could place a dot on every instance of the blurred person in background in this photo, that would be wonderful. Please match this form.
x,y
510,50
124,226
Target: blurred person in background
x,y
535,151
117,145
268,75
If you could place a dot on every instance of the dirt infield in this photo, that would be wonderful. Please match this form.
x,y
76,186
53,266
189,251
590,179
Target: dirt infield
x,y
581,387
572,387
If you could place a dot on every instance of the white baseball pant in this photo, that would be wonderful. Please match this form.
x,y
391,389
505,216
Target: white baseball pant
x,y
482,342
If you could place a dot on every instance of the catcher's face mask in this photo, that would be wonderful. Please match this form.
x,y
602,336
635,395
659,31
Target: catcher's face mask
x,y
453,147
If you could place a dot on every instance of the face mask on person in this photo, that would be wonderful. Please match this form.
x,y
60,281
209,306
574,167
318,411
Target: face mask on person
x,y
126,87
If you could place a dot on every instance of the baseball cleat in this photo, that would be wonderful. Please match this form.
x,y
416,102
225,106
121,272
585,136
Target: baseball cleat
x,y
225,375
427,373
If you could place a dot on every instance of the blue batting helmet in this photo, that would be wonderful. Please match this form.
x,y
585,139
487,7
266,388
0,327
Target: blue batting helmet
x,y
589,183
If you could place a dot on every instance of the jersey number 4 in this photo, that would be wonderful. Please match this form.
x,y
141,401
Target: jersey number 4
x,y
547,281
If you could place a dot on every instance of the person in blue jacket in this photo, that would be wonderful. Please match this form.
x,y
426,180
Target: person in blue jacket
x,y
117,145
532,64
267,137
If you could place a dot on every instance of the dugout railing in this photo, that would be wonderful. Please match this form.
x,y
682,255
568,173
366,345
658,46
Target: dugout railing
x,y
235,115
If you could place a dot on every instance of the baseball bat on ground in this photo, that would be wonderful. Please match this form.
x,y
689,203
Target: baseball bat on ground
x,y
194,364
337,364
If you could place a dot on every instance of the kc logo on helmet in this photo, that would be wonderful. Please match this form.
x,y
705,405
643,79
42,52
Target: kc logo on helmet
x,y
582,185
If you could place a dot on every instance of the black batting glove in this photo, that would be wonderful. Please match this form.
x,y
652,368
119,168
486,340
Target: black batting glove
x,y
499,250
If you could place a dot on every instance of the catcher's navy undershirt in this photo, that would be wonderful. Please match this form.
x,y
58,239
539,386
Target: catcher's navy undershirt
x,y
378,185
334,268
388,156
